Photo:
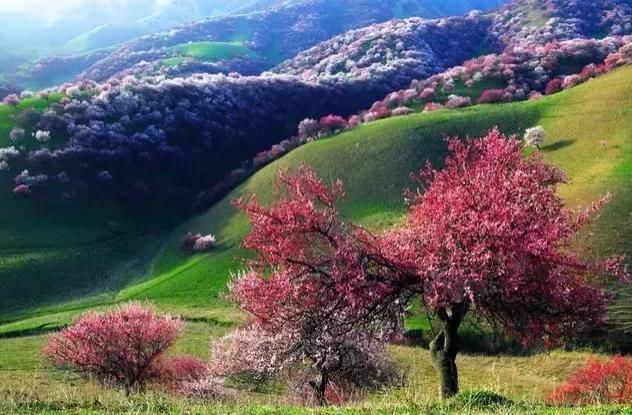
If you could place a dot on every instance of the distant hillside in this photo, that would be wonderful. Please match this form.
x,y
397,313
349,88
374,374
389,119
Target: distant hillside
x,y
397,47
392,54
62,42
85,25
271,30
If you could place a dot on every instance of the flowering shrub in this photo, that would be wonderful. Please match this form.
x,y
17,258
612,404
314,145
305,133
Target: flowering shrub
x,y
432,106
16,134
12,100
308,128
198,242
205,389
22,190
535,136
456,101
123,348
252,352
598,382
402,111
332,123
554,85
181,371
492,96
42,136
428,94
25,178
8,152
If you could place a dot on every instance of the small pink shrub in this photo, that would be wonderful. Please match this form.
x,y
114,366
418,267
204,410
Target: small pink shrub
x,y
598,382
554,85
333,122
432,106
428,94
122,348
180,370
402,111
22,190
492,96
205,389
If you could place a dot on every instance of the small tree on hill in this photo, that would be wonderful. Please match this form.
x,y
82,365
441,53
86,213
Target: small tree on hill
x,y
535,136
122,348
317,283
490,236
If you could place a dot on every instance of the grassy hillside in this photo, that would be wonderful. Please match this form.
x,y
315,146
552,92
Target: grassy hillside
x,y
214,50
374,160
53,250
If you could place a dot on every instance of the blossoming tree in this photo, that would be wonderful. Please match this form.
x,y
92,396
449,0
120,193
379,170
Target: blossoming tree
x,y
489,236
318,283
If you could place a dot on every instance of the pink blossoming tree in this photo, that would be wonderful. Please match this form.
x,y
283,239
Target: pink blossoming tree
x,y
317,287
489,236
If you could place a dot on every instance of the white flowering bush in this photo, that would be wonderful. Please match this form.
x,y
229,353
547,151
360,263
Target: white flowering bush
x,y
42,136
535,136
197,242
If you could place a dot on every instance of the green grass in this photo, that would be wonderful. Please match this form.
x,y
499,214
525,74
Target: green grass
x,y
374,161
212,51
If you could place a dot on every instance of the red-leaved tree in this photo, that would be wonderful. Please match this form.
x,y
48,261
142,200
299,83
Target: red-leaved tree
x,y
123,348
488,235
317,283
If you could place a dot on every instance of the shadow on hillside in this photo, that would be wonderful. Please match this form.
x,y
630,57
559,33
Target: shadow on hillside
x,y
558,145
35,331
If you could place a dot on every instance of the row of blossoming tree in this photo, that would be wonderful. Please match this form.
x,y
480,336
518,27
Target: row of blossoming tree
x,y
485,236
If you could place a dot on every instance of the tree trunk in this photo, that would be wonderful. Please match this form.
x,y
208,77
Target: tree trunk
x,y
320,388
445,347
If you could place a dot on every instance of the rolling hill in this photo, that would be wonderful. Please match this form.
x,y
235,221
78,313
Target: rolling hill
x,y
576,122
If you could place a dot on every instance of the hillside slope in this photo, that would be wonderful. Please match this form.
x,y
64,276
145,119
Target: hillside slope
x,y
576,121
273,31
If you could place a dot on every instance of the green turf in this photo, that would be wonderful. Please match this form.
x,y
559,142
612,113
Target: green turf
x,y
213,50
